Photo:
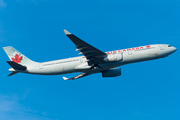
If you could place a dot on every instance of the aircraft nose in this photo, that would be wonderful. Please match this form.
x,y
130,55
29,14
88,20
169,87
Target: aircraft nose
x,y
170,50
174,49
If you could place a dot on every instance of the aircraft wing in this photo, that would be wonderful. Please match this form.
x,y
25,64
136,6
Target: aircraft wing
x,y
76,77
93,55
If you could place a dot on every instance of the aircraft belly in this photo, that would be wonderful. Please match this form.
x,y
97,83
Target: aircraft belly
x,y
54,69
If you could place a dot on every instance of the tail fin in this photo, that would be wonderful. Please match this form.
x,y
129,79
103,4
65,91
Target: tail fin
x,y
16,56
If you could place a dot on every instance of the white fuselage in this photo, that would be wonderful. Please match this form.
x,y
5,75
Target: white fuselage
x,y
79,64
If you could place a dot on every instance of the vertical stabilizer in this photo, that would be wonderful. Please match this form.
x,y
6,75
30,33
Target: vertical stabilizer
x,y
17,57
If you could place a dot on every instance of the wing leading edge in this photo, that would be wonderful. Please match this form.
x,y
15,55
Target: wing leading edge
x,y
76,77
93,55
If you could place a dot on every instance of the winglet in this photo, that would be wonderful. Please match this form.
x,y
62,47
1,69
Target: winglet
x,y
65,78
66,32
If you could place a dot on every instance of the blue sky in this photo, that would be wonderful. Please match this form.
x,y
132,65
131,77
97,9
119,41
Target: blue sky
x,y
148,90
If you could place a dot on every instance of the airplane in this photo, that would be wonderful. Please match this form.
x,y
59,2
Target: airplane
x,y
93,60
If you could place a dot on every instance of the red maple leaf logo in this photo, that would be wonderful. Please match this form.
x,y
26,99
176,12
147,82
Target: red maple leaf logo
x,y
17,59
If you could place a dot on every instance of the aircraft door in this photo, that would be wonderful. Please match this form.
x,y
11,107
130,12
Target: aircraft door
x,y
40,66
81,60
129,52
119,57
161,47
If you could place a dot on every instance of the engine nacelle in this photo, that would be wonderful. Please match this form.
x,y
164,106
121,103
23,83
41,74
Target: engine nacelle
x,y
113,57
112,72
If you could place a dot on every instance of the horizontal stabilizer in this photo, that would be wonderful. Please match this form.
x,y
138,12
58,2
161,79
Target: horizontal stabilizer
x,y
16,66
13,73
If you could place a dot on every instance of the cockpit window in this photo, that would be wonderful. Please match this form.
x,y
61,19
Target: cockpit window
x,y
169,46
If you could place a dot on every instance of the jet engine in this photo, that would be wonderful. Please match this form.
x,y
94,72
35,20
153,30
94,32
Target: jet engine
x,y
112,72
113,57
